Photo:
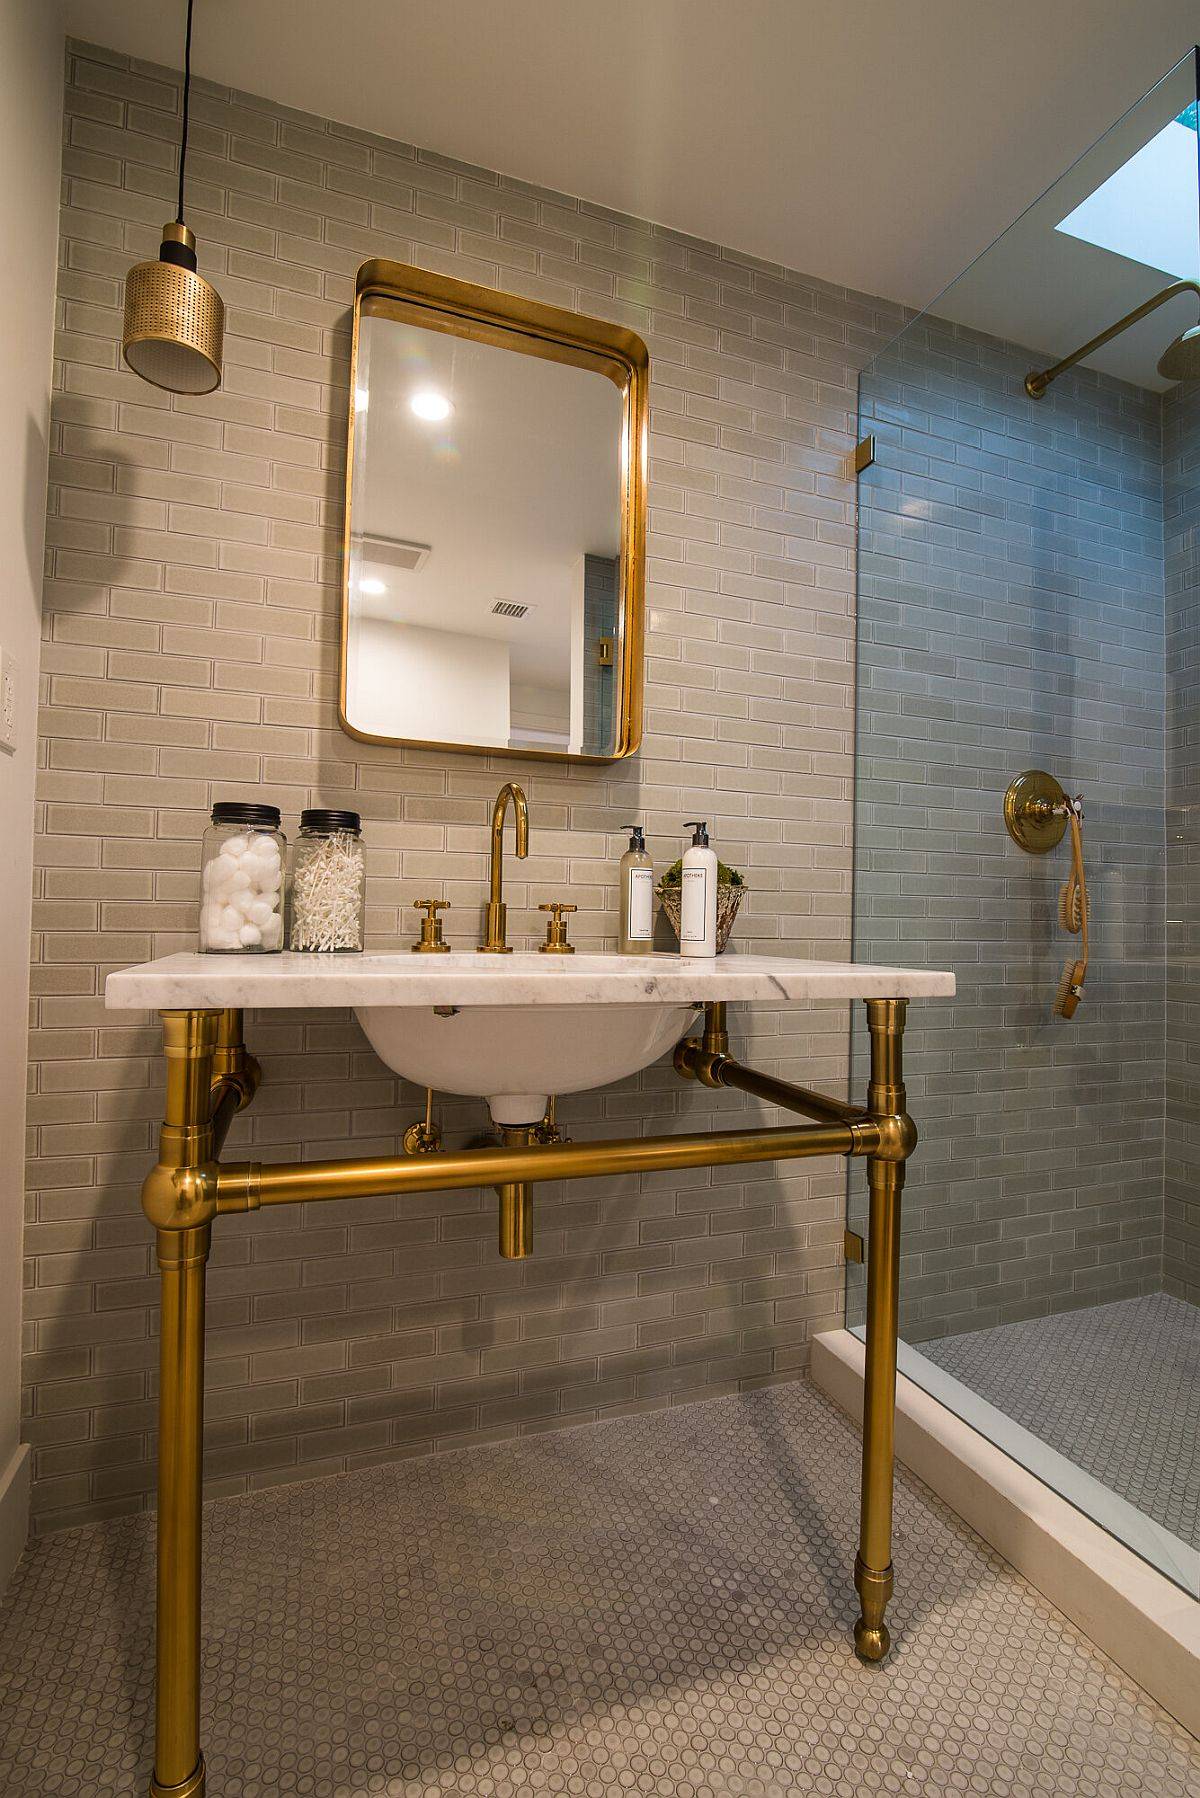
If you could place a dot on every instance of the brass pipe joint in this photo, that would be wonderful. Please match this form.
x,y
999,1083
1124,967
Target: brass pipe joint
x,y
889,1138
176,1197
694,1062
232,1063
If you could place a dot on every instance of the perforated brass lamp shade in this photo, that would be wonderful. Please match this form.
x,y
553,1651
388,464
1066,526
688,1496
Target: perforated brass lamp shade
x,y
174,321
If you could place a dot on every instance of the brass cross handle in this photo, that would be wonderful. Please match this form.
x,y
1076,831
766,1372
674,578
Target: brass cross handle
x,y
556,929
431,942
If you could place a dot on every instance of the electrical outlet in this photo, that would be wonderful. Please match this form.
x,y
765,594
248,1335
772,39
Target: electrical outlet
x,y
8,702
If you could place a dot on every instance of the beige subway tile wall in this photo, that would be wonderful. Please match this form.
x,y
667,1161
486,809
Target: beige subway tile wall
x,y
191,652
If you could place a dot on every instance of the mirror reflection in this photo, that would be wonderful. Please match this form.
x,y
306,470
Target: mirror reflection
x,y
484,571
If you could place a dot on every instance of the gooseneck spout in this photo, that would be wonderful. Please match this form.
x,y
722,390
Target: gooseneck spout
x,y
494,934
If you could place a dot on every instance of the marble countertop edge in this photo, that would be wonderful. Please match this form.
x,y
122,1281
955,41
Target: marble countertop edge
x,y
397,978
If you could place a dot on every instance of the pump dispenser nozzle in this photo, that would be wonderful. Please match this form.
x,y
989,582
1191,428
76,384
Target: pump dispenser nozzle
x,y
637,836
699,830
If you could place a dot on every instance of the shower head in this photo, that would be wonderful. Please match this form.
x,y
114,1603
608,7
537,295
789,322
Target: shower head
x,y
1180,361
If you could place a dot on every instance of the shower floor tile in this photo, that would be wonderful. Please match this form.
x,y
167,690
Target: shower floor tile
x,y
1115,1388
656,1605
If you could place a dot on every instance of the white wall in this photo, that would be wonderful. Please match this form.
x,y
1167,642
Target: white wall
x,y
31,99
431,686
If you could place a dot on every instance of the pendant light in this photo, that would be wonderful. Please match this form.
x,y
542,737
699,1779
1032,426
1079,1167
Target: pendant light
x,y
174,321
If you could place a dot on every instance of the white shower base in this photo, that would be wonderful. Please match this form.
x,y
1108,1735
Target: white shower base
x,y
1138,1615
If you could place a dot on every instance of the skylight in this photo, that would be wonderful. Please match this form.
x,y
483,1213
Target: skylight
x,y
1149,209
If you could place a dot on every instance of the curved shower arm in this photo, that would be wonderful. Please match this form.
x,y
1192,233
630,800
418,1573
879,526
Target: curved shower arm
x,y
1037,381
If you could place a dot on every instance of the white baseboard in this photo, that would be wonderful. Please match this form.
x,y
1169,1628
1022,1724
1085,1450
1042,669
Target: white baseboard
x,y
14,1512
1133,1613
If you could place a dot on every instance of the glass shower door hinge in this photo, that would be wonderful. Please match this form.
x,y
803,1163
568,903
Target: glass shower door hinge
x,y
861,456
854,1248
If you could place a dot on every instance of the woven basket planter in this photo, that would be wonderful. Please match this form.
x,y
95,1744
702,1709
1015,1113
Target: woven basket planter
x,y
728,900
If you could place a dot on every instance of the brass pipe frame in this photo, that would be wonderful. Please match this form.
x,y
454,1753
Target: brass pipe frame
x,y
887,1102
190,1043
210,1077
247,1185
1038,379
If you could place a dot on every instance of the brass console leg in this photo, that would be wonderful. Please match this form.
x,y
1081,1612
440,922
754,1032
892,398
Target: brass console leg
x,y
178,1762
885,1178
180,1199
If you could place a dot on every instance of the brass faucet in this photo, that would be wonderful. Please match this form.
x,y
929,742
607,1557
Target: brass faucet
x,y
493,942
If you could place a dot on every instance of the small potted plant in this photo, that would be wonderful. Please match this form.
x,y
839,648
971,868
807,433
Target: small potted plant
x,y
730,888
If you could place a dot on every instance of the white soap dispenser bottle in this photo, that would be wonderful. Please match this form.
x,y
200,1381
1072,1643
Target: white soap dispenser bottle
x,y
637,896
698,908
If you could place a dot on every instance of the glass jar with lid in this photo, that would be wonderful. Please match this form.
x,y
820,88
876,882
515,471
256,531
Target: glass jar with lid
x,y
328,882
241,900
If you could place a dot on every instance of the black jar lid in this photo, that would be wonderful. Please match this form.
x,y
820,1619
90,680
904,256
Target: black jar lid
x,y
318,818
238,811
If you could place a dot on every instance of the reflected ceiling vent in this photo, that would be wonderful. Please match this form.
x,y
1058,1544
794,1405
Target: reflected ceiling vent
x,y
395,552
510,608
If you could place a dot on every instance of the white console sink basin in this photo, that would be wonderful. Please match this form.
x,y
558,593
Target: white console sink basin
x,y
512,1029
543,1049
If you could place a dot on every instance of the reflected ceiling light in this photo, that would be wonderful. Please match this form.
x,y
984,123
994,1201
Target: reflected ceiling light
x,y
369,584
174,321
362,399
430,405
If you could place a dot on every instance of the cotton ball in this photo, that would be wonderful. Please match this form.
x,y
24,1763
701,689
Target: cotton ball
x,y
231,918
212,918
239,880
271,879
261,912
235,847
272,932
249,935
224,867
223,939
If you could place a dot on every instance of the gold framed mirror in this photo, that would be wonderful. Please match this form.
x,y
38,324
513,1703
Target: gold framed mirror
x,y
493,582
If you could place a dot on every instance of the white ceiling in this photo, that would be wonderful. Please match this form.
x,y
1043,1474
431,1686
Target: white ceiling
x,y
877,143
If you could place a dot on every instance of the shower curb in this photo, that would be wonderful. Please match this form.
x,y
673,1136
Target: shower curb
x,y
14,1512
1133,1613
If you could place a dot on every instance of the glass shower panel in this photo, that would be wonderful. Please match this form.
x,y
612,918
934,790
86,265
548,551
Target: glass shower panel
x,y
1028,599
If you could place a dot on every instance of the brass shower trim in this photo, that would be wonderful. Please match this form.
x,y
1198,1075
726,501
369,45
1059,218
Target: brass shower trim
x,y
1036,812
1180,361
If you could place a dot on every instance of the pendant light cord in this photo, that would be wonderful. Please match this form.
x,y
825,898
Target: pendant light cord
x,y
187,83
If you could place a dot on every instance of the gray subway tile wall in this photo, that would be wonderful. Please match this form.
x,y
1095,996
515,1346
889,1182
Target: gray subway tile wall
x,y
191,651
1181,463
1011,616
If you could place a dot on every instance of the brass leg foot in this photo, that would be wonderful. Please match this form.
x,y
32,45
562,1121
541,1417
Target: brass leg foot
x,y
192,1787
872,1638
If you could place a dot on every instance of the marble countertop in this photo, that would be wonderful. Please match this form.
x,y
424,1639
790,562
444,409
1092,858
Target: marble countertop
x,y
398,978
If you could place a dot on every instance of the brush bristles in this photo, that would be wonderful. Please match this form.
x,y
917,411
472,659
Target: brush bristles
x,y
1066,999
1070,908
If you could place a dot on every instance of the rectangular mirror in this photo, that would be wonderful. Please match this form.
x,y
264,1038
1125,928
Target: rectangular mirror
x,y
493,582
